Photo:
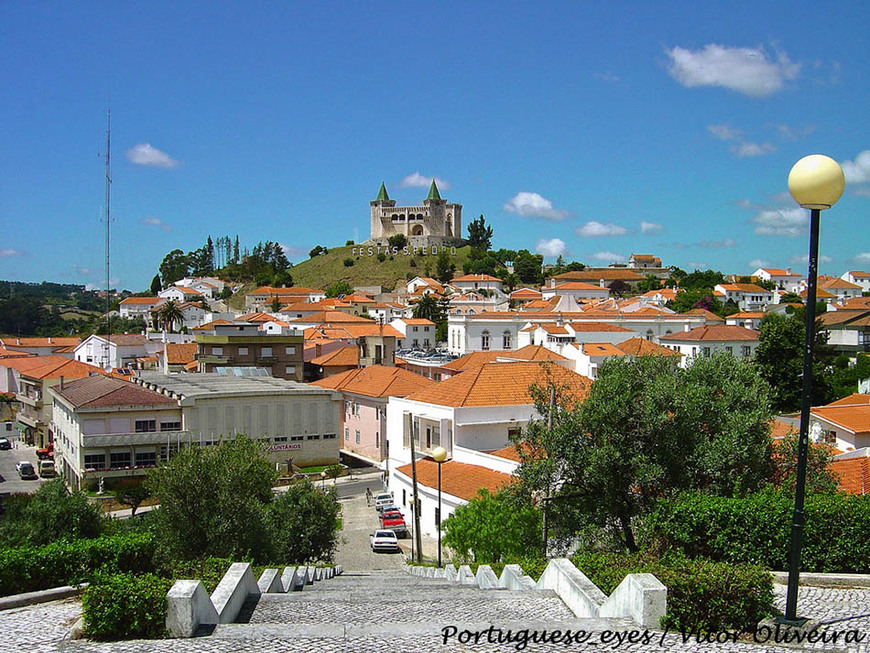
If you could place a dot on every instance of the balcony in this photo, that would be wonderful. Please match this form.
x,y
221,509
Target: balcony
x,y
212,359
99,440
267,360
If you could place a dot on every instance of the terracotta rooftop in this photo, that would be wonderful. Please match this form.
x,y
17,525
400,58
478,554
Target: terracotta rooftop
x,y
11,353
576,285
837,283
335,317
643,347
376,381
106,392
713,333
475,277
473,360
23,364
601,349
142,301
594,276
774,272
124,339
779,429
525,292
743,287
852,418
269,290
180,354
417,321
342,357
457,479
854,399
598,327
502,384
853,474
532,353
51,341
66,368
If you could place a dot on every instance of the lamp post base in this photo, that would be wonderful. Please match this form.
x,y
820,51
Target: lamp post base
x,y
797,622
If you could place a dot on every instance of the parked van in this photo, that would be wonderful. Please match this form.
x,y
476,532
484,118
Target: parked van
x,y
46,468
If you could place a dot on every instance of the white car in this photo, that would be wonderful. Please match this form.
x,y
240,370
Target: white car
x,y
384,541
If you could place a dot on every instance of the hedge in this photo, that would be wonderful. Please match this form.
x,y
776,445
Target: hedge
x,y
757,530
710,596
124,606
28,568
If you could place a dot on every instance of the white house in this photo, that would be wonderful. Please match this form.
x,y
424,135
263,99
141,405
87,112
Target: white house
x,y
117,350
471,282
845,423
839,288
848,330
181,294
859,278
577,290
416,333
388,311
707,340
471,415
748,296
784,279
133,307
745,319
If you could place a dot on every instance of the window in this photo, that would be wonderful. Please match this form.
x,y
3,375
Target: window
x,y
705,352
121,459
357,436
746,351
265,351
313,437
729,350
296,438
290,369
217,351
243,351
506,340
329,436
290,350
415,329
484,341
145,425
95,460
170,426
649,334
426,342
347,434
146,458
415,343
281,439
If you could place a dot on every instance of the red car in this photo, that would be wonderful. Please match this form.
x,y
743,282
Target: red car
x,y
392,520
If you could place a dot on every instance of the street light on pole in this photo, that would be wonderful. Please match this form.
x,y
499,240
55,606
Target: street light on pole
x,y
323,480
439,454
815,182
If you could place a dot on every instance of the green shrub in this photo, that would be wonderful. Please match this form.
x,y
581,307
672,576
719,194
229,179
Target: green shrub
x,y
348,262
757,530
711,596
30,568
123,606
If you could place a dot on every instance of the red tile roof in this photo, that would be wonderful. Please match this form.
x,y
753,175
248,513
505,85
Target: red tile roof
x,y
714,333
376,381
853,474
105,392
142,301
476,277
854,399
343,357
180,354
642,347
457,479
852,418
66,368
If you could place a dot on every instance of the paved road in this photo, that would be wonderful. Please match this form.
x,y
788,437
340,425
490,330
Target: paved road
x,y
10,482
358,520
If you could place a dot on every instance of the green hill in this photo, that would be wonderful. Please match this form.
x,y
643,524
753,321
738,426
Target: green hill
x,y
326,269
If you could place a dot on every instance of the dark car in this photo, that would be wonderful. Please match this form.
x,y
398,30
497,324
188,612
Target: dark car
x,y
5,444
26,470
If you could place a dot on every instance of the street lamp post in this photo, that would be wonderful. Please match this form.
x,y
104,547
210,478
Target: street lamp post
x,y
413,514
815,182
323,480
439,454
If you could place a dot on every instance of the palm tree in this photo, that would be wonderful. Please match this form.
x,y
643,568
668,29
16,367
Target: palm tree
x,y
169,314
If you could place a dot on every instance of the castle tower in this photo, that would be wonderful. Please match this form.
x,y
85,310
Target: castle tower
x,y
435,222
378,206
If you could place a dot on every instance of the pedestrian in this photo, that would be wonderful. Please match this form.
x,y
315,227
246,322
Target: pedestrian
x,y
368,496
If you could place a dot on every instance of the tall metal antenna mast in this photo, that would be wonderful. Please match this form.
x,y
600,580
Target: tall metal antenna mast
x,y
108,222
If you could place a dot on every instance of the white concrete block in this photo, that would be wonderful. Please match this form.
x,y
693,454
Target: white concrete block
x,y
188,606
579,593
233,590
640,596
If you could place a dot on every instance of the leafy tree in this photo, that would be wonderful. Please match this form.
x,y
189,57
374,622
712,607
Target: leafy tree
x,y
650,283
493,527
304,523
480,262
844,376
511,281
428,308
397,241
619,288
131,493
479,235
505,256
339,288
348,262
698,280
213,501
730,308
791,298
174,267
170,314
52,514
155,285
696,298
779,357
236,257
275,304
527,267
317,251
820,479
445,268
648,430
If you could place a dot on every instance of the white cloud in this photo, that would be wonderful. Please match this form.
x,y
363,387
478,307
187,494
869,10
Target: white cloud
x,y
739,145
532,205
792,134
6,253
863,257
745,70
862,192
790,222
697,265
81,269
551,247
145,155
416,180
805,259
593,229
610,257
857,171
716,244
292,252
606,77
156,222
758,263
649,227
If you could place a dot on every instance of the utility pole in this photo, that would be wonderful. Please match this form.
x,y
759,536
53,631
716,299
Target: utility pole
x,y
414,493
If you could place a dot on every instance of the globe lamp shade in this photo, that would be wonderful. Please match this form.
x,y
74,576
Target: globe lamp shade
x,y
816,182
439,454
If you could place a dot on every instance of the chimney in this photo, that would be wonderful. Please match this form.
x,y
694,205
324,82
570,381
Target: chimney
x,y
61,383
601,283
686,327
788,270
49,339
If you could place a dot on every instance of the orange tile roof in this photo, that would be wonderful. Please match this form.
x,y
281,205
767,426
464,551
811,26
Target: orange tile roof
x,y
525,292
473,360
269,290
342,357
714,333
836,282
475,277
576,285
502,384
821,293
532,353
774,272
854,399
743,287
66,368
146,301
180,354
747,315
11,353
852,418
856,303
596,275
780,429
457,479
601,349
376,381
643,347
596,327
211,325
334,317
51,341
256,316
418,321
510,452
23,364
853,474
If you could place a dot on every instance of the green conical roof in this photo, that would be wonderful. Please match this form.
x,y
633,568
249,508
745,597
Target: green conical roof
x,y
382,194
433,192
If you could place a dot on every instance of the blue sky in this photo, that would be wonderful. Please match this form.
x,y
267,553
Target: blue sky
x,y
596,130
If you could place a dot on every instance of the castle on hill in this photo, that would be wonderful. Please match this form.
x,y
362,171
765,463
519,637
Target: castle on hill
x,y
434,223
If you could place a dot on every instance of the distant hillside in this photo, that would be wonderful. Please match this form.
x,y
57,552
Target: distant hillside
x,y
326,269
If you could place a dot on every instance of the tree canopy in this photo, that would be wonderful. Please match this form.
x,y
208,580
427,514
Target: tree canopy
x,y
479,234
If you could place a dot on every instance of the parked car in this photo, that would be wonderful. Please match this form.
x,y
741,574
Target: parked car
x,y
387,507
392,520
25,470
384,541
5,444
46,468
